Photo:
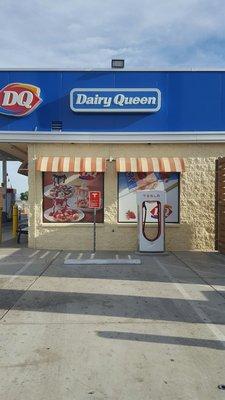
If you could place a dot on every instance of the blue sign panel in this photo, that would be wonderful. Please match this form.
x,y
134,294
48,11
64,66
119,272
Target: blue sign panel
x,y
115,100
36,101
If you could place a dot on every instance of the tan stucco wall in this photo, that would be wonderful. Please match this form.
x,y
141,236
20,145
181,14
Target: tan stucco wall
x,y
197,188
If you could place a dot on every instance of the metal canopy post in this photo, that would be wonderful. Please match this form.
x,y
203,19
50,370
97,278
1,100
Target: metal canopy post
x,y
4,188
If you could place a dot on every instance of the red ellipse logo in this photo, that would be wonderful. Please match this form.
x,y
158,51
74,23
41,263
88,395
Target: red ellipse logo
x,y
19,99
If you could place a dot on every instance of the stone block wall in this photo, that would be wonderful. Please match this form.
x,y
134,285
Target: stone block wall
x,y
197,198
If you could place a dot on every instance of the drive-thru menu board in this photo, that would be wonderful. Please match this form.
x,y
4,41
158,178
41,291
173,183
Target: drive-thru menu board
x,y
130,182
66,197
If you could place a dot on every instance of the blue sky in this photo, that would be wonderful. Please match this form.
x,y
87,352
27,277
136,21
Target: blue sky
x,y
17,181
89,33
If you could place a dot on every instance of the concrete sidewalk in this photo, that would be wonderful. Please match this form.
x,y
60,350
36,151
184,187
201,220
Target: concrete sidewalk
x,y
117,332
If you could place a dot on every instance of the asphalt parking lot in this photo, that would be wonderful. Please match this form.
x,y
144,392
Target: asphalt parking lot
x,y
127,332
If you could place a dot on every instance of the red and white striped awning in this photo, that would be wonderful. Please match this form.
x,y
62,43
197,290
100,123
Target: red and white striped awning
x,y
152,164
71,164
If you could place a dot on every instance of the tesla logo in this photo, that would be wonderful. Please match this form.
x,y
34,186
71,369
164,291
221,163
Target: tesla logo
x,y
19,99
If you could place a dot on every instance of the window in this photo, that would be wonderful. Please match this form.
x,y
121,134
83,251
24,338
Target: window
x,y
130,182
65,197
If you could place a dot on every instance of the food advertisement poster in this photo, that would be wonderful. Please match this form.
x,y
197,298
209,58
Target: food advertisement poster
x,y
130,182
66,197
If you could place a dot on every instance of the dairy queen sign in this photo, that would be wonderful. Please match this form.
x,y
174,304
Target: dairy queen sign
x,y
115,100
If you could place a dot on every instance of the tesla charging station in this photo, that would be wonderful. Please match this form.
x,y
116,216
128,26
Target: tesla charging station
x,y
145,199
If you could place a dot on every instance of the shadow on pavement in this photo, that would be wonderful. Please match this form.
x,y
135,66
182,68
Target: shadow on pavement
x,y
210,267
176,340
122,306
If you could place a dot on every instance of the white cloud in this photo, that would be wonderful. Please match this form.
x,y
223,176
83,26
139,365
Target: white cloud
x,y
88,33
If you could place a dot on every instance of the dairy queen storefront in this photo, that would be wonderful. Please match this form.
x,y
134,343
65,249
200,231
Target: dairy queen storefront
x,y
116,132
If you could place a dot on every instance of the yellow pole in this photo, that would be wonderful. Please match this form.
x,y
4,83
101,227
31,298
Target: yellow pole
x,y
0,224
15,220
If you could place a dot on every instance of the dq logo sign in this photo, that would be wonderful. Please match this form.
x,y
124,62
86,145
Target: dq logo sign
x,y
19,99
